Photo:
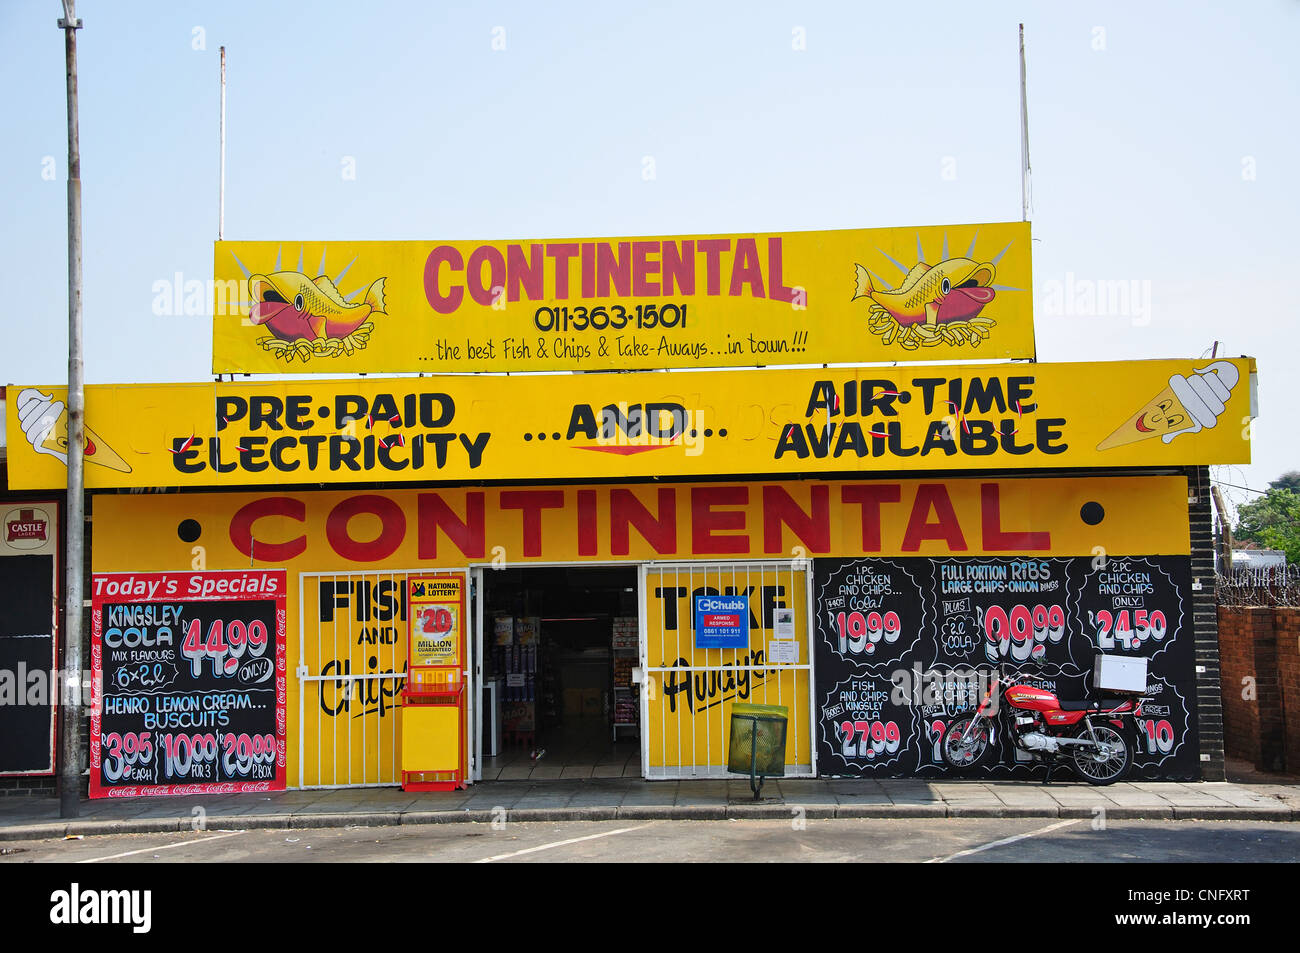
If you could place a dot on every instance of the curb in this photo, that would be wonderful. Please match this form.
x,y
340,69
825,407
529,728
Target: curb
x,y
989,810
639,812
1113,812
1233,814
877,811
303,821
672,812
142,826
446,817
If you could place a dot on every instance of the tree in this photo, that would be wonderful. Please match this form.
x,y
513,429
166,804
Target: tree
x,y
1287,481
1272,521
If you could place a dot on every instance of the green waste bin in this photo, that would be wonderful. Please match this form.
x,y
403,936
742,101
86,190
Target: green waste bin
x,y
757,745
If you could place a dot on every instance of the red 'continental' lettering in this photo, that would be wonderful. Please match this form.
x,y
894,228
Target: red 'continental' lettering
x,y
626,510
947,527
995,540
638,269
721,522
392,528
869,497
588,523
706,523
241,529
469,535
813,529
449,302
532,502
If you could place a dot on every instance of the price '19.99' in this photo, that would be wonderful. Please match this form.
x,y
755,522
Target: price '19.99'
x,y
859,633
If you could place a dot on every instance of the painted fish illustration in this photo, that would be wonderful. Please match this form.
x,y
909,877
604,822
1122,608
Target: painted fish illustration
x,y
308,316
953,290
934,304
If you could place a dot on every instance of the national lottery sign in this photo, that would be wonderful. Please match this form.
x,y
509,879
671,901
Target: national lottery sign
x,y
437,606
189,683
683,301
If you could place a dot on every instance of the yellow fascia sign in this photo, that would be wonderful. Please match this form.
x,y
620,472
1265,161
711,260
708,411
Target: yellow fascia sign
x,y
932,293
709,423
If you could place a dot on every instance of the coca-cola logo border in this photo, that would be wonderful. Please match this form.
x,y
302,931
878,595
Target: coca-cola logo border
x,y
215,724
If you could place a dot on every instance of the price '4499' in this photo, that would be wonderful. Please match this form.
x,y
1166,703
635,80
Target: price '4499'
x,y
224,645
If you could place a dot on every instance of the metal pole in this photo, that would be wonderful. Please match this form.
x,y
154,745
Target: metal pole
x,y
1225,532
70,724
221,193
1024,134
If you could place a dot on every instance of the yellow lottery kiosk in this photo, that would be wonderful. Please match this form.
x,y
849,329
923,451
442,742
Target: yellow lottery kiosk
x,y
431,720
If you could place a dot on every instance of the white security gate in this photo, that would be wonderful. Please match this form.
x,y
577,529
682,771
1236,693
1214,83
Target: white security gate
x,y
352,632
687,693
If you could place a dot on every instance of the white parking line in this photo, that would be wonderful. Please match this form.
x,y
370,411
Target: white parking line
x,y
1006,840
147,850
561,843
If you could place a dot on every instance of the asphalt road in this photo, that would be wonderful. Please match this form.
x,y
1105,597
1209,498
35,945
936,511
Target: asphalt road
x,y
941,840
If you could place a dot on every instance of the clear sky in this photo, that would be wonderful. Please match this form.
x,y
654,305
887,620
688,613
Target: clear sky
x,y
1164,143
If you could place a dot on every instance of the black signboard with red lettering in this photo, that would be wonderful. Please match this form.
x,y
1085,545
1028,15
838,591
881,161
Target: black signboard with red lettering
x,y
903,646
189,683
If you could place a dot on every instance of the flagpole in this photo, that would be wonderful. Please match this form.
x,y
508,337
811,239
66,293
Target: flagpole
x,y
1024,134
221,189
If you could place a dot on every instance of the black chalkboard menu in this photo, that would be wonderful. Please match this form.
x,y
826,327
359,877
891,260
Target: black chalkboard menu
x,y
27,677
905,645
190,683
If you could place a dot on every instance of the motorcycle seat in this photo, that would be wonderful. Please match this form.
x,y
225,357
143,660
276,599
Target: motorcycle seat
x,y
1087,704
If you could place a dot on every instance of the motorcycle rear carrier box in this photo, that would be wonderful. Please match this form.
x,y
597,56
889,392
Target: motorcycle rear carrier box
x,y
1116,673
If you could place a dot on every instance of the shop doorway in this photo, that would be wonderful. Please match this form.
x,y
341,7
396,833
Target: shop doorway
x,y
560,643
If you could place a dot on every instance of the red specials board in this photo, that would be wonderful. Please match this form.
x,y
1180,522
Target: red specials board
x,y
189,683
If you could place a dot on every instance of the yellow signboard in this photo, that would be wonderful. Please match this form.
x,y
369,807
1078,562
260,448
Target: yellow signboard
x,y
887,294
1007,416
362,531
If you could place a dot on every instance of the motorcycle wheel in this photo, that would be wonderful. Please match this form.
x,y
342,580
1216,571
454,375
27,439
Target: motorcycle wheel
x,y
962,756
1101,768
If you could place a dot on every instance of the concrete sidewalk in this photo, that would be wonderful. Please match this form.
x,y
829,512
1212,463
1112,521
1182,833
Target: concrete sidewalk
x,y
28,818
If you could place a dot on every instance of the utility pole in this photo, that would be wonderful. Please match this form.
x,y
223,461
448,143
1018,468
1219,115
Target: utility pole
x,y
70,723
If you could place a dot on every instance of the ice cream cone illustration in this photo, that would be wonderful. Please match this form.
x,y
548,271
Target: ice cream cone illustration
x,y
1189,404
45,424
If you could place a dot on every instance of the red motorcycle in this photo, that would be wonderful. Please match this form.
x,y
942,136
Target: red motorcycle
x,y
1097,736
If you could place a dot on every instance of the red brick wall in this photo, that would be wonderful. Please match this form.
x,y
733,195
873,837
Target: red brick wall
x,y
1261,644
1237,662
1287,625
